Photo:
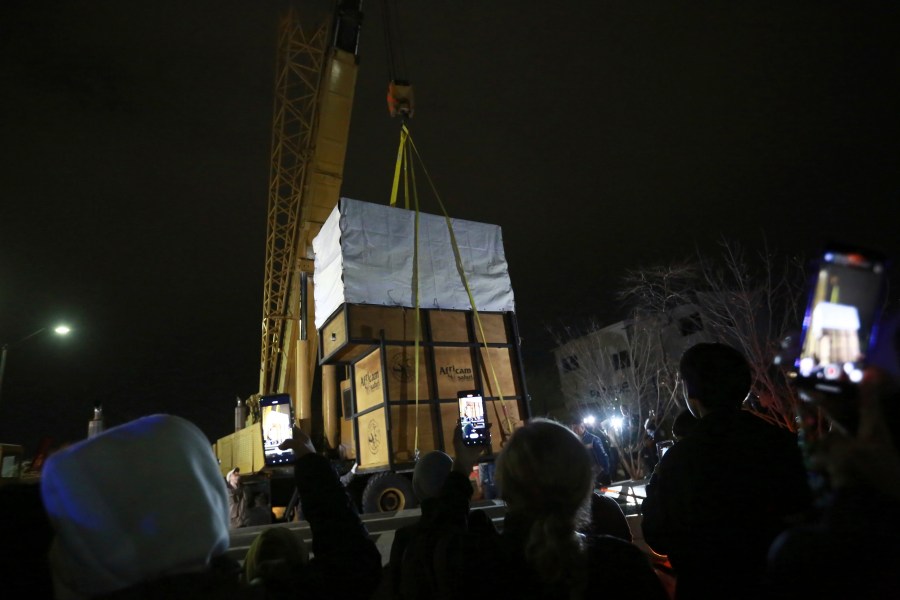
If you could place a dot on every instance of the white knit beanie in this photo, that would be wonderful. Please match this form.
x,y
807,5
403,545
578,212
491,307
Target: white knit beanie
x,y
140,501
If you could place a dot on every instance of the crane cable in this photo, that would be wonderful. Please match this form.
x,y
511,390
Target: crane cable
x,y
400,97
393,47
404,163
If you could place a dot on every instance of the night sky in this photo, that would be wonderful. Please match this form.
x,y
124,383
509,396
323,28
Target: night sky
x,y
602,136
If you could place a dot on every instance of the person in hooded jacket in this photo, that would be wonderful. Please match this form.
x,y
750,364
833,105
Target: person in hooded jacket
x,y
140,511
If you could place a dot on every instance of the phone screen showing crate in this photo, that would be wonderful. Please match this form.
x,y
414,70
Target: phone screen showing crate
x,y
276,424
471,418
840,317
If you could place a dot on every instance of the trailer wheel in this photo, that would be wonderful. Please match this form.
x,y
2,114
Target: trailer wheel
x,y
388,492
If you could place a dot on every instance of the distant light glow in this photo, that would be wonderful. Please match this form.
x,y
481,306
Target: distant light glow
x,y
62,330
589,420
617,423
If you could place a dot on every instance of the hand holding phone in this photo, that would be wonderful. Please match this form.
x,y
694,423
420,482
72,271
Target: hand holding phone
x,y
465,455
472,419
301,445
844,303
277,428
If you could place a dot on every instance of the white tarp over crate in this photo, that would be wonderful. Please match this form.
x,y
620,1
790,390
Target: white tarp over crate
x,y
364,255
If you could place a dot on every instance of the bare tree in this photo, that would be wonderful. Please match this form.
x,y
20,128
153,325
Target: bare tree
x,y
617,372
750,306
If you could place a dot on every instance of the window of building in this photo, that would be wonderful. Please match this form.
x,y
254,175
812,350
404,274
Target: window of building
x,y
620,360
570,363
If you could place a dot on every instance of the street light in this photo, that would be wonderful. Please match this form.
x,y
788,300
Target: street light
x,y
60,330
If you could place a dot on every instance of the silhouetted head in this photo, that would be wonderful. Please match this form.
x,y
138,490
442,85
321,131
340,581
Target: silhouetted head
x,y
608,518
274,553
544,468
716,377
544,474
430,473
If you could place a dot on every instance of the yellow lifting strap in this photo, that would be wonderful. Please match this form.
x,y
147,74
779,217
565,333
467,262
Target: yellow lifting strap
x,y
401,164
405,165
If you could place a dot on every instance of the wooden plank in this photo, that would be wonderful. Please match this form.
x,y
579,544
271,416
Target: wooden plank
x,y
367,322
373,451
368,381
495,329
454,371
334,334
448,326
401,373
498,361
403,430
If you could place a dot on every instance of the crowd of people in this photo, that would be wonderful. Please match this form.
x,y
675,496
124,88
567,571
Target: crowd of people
x,y
142,511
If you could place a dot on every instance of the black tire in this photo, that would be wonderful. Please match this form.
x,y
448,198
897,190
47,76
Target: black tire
x,y
388,492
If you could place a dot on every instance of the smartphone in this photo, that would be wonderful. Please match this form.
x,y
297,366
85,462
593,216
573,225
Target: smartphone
x,y
277,421
845,300
472,419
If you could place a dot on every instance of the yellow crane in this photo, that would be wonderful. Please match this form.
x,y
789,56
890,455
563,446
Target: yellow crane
x,y
316,77
386,392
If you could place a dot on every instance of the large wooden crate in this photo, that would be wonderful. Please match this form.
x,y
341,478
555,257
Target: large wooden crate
x,y
390,410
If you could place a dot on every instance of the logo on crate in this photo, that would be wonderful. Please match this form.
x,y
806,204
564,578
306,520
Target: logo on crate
x,y
402,367
457,374
370,381
373,436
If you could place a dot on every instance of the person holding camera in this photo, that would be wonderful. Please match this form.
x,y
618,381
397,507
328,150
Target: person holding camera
x,y
850,548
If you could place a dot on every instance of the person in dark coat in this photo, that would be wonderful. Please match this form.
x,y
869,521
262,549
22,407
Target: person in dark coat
x,y
720,496
598,451
411,566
